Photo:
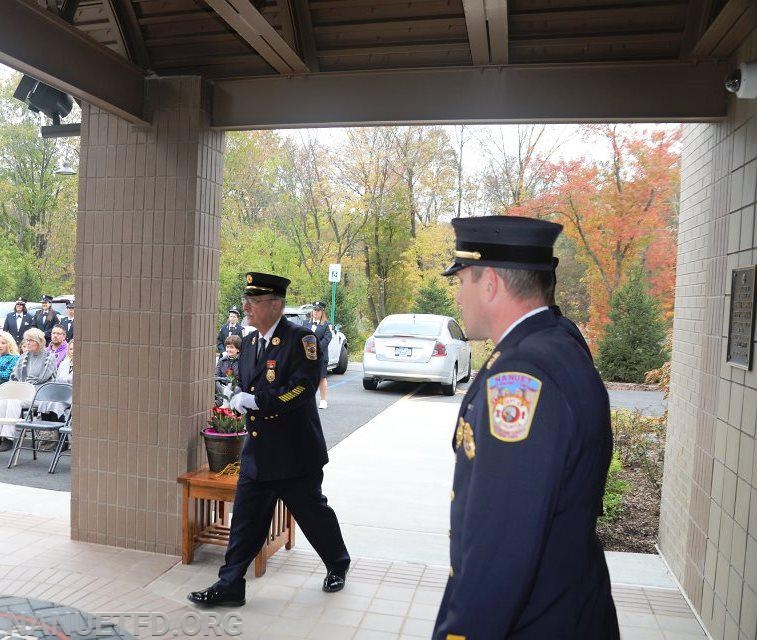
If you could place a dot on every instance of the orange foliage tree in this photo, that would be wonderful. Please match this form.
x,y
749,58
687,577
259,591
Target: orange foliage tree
x,y
620,213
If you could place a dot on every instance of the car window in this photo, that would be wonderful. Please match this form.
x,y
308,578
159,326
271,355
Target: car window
x,y
455,331
420,328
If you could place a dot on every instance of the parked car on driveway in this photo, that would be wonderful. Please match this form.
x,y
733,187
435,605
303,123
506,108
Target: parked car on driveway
x,y
417,348
338,351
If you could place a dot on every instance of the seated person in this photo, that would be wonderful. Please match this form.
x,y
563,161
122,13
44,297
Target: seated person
x,y
8,355
37,367
8,358
58,344
65,371
228,365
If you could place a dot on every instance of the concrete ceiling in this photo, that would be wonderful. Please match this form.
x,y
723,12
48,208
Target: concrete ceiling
x,y
277,63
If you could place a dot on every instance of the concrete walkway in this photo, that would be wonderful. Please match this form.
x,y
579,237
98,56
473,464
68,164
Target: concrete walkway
x,y
388,482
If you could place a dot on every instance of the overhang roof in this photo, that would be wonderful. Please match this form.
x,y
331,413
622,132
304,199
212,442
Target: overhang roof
x,y
290,54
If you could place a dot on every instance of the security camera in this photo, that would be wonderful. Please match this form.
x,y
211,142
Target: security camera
x,y
743,81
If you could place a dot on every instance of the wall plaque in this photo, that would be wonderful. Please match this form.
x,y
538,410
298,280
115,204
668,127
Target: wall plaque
x,y
741,323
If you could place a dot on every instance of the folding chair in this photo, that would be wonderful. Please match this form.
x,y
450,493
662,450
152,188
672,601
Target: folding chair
x,y
21,392
50,392
63,440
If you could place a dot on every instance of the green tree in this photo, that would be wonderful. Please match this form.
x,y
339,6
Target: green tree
x,y
434,297
29,284
635,337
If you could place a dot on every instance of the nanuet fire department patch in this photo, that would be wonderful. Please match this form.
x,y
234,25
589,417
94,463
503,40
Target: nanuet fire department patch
x,y
512,398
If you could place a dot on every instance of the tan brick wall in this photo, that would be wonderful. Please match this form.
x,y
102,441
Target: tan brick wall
x,y
147,261
708,520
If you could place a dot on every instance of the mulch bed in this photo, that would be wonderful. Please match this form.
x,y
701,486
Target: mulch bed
x,y
631,386
637,527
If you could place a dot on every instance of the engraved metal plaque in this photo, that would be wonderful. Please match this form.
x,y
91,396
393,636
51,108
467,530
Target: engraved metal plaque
x,y
741,323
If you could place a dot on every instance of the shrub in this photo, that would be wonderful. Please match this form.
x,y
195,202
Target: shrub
x,y
640,443
615,487
434,297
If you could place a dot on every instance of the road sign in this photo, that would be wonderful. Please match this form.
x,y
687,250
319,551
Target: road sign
x,y
335,272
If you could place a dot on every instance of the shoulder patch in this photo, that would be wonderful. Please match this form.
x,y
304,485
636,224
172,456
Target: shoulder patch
x,y
512,398
310,343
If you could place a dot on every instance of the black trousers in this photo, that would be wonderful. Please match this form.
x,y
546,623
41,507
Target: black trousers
x,y
251,520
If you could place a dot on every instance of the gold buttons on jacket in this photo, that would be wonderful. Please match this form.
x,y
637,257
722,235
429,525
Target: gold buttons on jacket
x,y
252,418
451,572
254,434
451,496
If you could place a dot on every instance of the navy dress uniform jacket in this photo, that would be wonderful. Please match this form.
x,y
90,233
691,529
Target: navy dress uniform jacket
x,y
68,324
532,446
45,323
226,331
323,334
27,322
286,439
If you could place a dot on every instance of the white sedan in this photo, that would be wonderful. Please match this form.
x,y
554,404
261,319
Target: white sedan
x,y
417,348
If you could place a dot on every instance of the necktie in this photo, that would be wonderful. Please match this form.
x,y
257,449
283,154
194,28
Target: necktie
x,y
261,348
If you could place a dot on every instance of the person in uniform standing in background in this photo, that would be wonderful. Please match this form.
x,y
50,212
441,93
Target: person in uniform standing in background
x,y
68,322
231,328
322,329
46,318
284,455
17,322
532,448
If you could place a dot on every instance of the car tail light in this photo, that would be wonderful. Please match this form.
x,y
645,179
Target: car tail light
x,y
439,349
370,346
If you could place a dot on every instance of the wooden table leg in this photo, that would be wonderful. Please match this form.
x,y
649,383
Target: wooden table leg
x,y
187,537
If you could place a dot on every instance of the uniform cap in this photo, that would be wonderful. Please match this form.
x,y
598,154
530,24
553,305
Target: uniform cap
x,y
260,284
235,310
510,242
319,305
46,299
70,305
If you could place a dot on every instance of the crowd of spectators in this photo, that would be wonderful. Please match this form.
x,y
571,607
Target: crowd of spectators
x,y
35,349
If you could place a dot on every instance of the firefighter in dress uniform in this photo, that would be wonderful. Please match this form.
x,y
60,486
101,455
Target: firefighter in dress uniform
x,y
532,444
285,451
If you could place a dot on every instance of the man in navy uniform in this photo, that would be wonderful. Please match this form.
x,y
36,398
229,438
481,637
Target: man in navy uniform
x,y
284,454
18,321
532,444
231,328
68,322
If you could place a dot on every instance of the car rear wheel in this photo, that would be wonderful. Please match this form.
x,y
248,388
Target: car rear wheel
x,y
449,389
467,375
344,359
370,384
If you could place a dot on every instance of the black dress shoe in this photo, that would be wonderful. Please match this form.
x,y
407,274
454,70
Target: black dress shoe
x,y
216,596
334,581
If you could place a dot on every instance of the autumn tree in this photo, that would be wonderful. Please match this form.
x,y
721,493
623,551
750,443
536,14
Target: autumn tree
x,y
519,167
619,212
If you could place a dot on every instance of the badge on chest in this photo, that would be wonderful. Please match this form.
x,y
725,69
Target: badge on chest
x,y
270,373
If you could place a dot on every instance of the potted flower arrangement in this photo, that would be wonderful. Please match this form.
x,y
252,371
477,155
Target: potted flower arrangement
x,y
224,436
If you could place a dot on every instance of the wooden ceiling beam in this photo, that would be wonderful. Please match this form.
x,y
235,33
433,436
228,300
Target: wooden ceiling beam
x,y
623,92
304,21
487,24
478,35
249,23
724,34
497,20
69,60
128,31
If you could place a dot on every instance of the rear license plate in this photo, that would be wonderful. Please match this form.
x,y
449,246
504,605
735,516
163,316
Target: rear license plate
x,y
403,352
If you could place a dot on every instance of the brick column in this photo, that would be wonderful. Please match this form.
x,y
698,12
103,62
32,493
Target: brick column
x,y
147,260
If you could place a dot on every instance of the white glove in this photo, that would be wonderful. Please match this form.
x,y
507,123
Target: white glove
x,y
241,401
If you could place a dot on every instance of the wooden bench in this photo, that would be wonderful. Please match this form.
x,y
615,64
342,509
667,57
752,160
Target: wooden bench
x,y
206,516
